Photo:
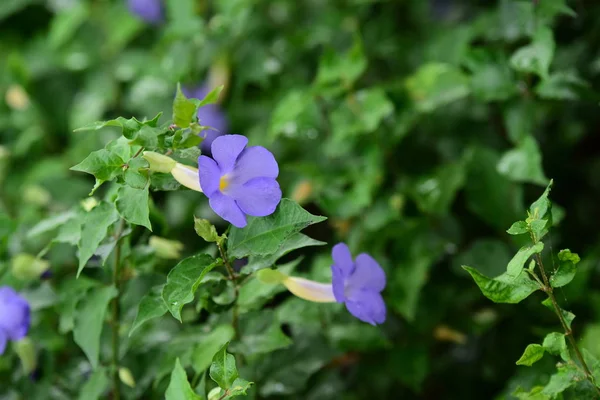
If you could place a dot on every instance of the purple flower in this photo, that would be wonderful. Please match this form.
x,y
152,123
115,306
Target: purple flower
x,y
148,10
358,283
209,115
239,181
14,316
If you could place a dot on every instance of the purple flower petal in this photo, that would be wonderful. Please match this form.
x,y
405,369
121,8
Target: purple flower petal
x,y
3,340
227,208
211,115
338,283
254,162
209,174
14,314
368,306
226,149
367,274
257,197
342,258
148,10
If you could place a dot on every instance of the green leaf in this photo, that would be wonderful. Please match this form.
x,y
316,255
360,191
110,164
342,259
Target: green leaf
x,y
151,306
89,320
435,85
223,369
435,193
518,228
343,69
261,287
183,109
103,164
183,280
51,223
490,195
205,230
555,344
564,85
129,127
523,163
261,333
504,288
179,387
515,266
294,242
96,385
94,229
567,268
540,217
133,205
533,353
238,388
568,316
537,56
265,235
209,345
567,376
211,98
294,113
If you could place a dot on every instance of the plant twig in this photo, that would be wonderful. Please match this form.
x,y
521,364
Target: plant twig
x,y
233,278
568,331
116,314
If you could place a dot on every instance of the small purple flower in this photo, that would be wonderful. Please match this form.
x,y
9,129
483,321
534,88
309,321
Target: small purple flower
x,y
358,283
148,10
239,181
14,316
209,115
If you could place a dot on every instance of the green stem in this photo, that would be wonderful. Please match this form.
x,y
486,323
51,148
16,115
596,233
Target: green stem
x,y
116,315
568,331
233,278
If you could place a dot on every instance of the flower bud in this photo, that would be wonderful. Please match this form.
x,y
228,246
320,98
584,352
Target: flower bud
x,y
164,248
187,176
26,352
159,162
214,394
28,267
126,377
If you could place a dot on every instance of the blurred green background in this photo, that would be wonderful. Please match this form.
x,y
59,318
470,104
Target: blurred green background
x,y
422,129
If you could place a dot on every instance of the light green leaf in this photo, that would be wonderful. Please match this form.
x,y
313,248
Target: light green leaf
x,y
205,230
179,387
133,205
151,306
555,344
294,242
515,266
103,164
518,228
130,127
51,223
567,268
211,98
223,369
265,235
183,109
95,386
342,69
238,388
95,225
533,353
89,319
209,345
435,85
540,217
537,56
523,163
504,288
567,376
294,113
183,280
568,316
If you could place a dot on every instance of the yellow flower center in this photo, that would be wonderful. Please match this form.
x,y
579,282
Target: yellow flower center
x,y
223,183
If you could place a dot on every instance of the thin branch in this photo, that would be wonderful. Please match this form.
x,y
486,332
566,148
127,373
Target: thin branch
x,y
116,314
233,278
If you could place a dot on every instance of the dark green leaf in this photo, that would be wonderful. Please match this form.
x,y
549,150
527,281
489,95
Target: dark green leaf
x,y
294,242
567,376
209,345
568,316
89,320
183,280
151,306
537,56
223,369
133,205
567,268
94,229
504,288
179,387
265,235
103,164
